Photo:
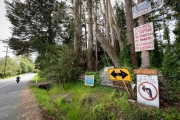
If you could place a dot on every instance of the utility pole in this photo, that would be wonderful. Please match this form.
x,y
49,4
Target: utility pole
x,y
5,60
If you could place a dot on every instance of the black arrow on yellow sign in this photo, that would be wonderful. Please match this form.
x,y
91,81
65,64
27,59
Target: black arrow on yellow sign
x,y
122,74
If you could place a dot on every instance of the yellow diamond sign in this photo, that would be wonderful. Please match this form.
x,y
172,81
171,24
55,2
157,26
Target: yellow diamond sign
x,y
119,74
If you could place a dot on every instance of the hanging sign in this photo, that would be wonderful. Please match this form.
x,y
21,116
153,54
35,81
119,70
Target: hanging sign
x,y
141,9
144,37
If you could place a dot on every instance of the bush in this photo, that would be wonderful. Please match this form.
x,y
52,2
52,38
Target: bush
x,y
99,112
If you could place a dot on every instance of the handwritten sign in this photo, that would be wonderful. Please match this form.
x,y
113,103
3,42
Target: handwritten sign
x,y
141,9
144,37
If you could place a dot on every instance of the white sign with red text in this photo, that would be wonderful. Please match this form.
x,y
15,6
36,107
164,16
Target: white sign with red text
x,y
141,9
144,37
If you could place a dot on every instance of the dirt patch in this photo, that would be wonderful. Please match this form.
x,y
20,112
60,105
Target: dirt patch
x,y
31,108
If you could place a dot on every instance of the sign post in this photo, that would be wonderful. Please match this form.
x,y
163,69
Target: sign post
x,y
120,75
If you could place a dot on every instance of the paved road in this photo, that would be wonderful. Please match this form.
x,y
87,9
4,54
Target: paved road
x,y
10,96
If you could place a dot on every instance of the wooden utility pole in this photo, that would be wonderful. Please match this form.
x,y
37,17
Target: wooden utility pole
x,y
145,56
5,60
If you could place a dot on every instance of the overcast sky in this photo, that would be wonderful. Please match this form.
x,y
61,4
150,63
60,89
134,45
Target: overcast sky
x,y
4,29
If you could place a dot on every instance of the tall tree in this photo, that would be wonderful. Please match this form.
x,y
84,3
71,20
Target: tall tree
x,y
130,34
145,56
90,35
78,28
106,46
31,24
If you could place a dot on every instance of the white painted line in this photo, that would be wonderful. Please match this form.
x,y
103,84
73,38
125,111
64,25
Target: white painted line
x,y
6,84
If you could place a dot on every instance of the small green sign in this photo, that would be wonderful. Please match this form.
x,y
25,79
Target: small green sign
x,y
89,80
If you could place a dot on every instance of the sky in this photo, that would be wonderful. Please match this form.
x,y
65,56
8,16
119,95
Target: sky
x,y
5,31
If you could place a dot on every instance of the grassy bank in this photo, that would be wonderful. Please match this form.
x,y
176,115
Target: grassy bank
x,y
79,102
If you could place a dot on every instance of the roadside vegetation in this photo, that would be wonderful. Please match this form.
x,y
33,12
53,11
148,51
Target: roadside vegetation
x,y
15,66
75,101
73,38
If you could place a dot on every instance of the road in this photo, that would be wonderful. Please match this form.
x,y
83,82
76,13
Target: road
x,y
10,96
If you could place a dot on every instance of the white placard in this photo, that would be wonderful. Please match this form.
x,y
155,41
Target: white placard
x,y
144,37
147,90
141,9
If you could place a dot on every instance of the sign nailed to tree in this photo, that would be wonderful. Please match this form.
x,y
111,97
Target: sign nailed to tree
x,y
141,9
144,37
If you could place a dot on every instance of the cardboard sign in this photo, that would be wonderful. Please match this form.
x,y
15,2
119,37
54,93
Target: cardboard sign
x,y
145,71
144,37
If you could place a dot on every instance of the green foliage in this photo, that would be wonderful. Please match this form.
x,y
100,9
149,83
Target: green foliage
x,y
114,94
166,37
61,64
59,102
38,78
97,78
77,101
124,57
27,19
15,66
106,60
156,56
99,112
55,90
44,99
171,115
171,63
124,103
24,67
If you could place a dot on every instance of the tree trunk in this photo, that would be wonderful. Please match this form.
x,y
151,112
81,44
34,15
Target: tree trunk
x,y
130,34
106,46
107,21
145,56
90,36
78,31
118,31
96,7
113,42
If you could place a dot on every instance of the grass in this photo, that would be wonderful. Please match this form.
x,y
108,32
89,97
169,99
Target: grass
x,y
79,102
39,79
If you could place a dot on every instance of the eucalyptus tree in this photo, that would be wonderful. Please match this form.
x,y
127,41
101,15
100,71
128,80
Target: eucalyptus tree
x,y
110,24
130,35
77,26
90,35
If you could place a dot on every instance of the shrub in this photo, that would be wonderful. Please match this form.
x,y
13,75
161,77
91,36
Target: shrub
x,y
99,112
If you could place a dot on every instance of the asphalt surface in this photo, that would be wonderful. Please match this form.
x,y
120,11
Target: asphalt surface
x,y
11,97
